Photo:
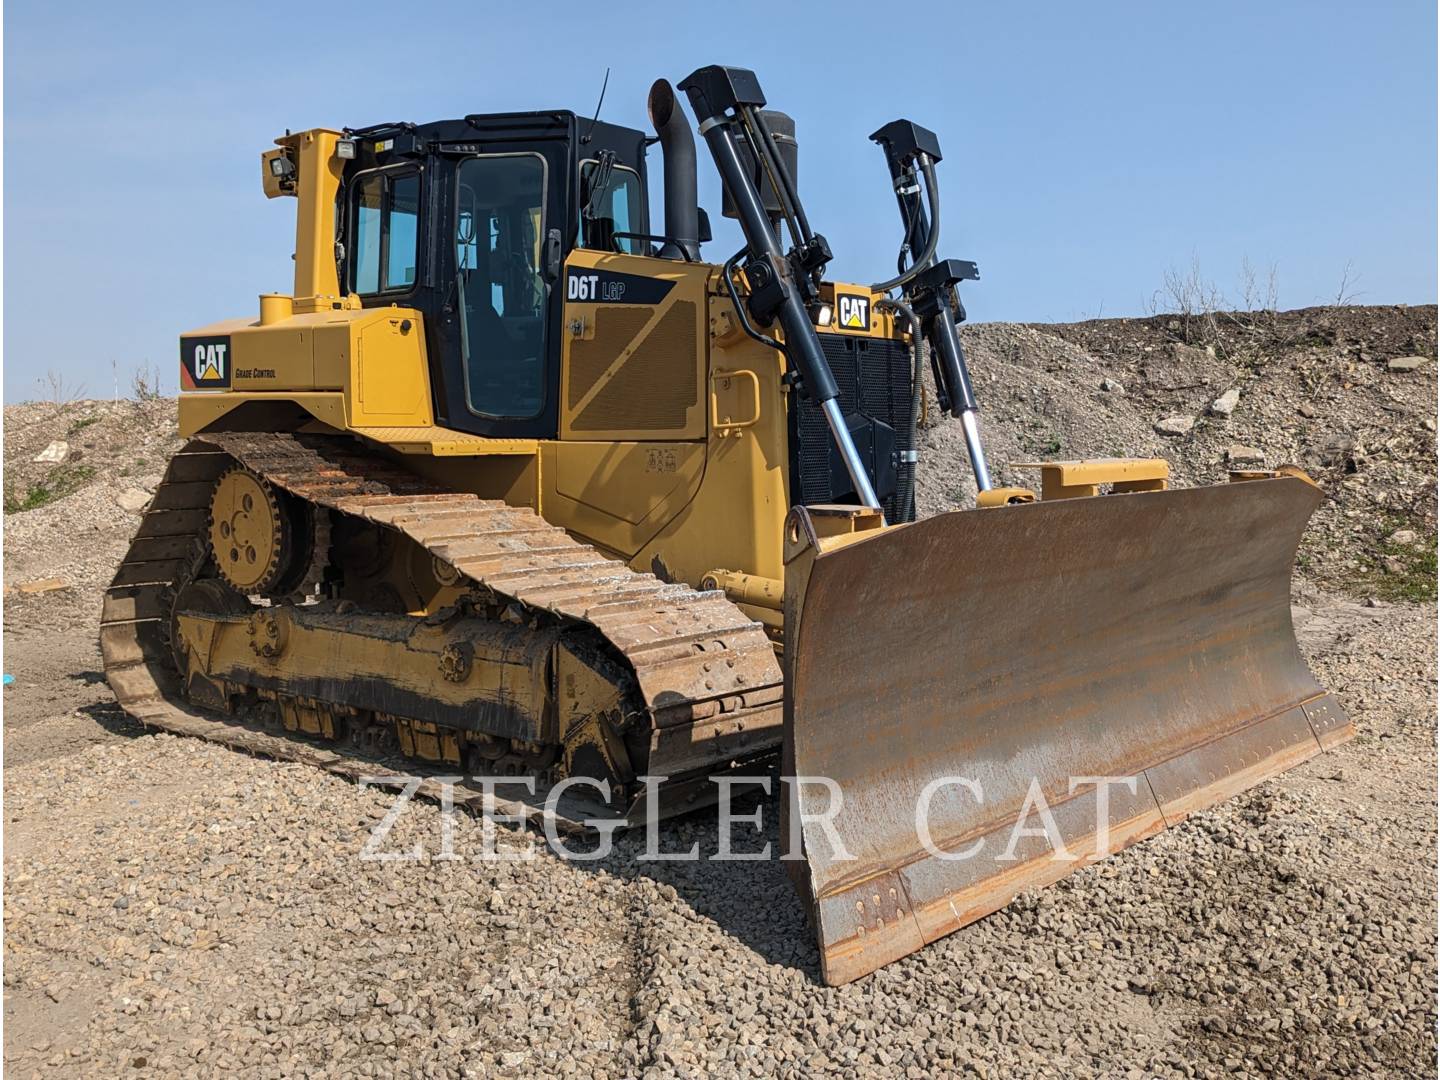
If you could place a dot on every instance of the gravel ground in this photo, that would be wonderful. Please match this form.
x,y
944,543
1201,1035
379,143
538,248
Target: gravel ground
x,y
173,908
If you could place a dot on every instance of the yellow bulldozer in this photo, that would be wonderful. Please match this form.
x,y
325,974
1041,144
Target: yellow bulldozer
x,y
517,485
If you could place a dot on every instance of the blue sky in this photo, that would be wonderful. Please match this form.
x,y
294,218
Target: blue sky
x,y
1088,147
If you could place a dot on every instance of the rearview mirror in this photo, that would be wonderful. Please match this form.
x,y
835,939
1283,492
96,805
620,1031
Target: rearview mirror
x,y
705,235
551,257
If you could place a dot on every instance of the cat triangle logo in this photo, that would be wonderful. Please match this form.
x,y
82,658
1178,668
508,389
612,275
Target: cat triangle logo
x,y
210,362
205,363
854,312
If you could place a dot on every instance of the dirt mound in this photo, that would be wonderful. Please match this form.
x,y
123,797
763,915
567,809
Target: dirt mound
x,y
1348,394
73,518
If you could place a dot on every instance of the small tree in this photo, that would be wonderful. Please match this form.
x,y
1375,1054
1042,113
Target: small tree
x,y
56,389
1194,299
145,383
1346,295
1257,295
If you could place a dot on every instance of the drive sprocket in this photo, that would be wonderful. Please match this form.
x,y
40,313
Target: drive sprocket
x,y
262,538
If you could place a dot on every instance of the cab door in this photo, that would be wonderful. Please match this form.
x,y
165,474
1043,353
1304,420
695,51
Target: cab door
x,y
500,369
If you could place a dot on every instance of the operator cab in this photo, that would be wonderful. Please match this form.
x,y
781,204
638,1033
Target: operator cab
x,y
470,221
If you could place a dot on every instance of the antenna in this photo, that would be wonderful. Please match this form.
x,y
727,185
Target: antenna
x,y
599,103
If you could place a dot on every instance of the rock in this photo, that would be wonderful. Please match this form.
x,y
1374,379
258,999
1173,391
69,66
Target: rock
x,y
133,499
1397,363
1306,410
44,585
1225,404
53,454
1112,386
1184,367
1189,354
1336,451
1244,455
1403,537
1392,565
1175,426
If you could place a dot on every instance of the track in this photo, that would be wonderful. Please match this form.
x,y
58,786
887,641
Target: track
x,y
705,675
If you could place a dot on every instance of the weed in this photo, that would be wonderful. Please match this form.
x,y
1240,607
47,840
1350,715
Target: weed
x,y
1037,445
1403,572
36,496
80,425
60,482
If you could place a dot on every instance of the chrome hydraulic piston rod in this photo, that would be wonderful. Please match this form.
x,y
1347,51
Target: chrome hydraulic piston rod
x,y
724,97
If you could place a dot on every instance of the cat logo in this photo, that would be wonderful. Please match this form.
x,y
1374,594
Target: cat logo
x,y
204,363
209,363
853,311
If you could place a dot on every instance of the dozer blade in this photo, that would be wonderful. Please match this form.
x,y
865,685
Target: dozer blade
x,y
987,666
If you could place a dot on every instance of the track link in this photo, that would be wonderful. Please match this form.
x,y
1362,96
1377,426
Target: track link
x,y
706,675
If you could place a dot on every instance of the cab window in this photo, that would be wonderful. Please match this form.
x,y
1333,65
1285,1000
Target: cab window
x,y
386,226
610,204
499,278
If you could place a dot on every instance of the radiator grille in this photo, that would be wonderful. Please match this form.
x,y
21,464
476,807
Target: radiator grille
x,y
615,328
873,375
656,386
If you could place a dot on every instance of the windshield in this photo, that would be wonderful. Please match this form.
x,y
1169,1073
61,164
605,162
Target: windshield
x,y
616,209
386,225
502,290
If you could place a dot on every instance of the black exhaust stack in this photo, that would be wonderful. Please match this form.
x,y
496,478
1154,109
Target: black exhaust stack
x,y
682,198
782,130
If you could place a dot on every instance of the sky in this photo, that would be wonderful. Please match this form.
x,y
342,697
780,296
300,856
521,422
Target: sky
x,y
1088,148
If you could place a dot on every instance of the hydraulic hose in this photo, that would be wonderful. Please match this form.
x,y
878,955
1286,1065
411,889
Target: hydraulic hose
x,y
910,462
926,257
